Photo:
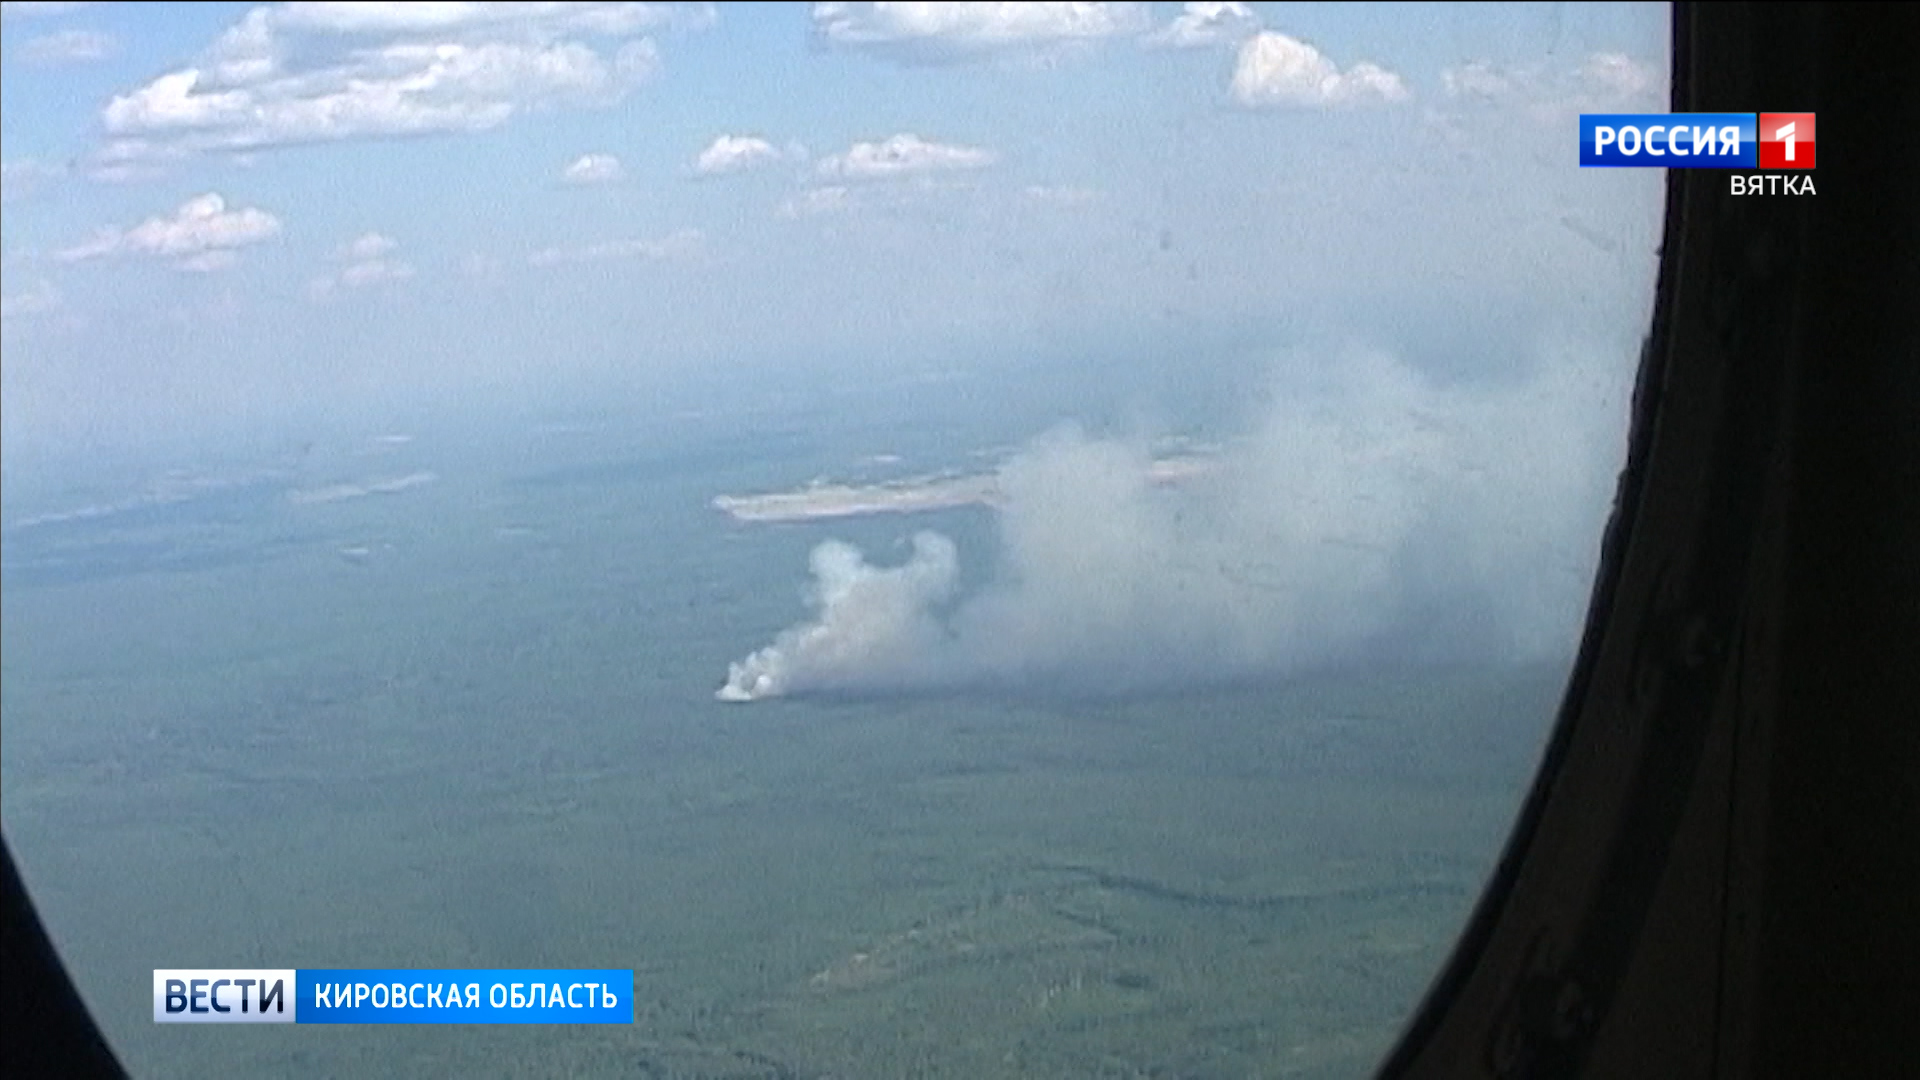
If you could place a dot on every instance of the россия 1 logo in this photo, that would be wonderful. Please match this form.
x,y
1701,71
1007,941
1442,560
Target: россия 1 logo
x,y
1697,140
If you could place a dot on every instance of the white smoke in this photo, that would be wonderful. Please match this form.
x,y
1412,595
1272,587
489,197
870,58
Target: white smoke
x,y
870,620
1368,512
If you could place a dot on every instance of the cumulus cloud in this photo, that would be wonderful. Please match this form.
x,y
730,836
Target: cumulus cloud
x,y
369,262
937,32
1207,23
736,153
1368,514
676,245
1275,70
69,47
593,169
319,72
903,155
202,235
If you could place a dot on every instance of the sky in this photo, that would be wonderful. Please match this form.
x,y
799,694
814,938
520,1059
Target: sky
x,y
228,218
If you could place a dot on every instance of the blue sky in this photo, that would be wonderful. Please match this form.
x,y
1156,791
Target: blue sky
x,y
223,217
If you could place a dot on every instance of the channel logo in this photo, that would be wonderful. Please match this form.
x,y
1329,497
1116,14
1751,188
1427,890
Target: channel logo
x,y
223,996
1786,140
1697,140
1667,140
392,996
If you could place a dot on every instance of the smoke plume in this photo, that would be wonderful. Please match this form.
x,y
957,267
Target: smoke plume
x,y
1368,513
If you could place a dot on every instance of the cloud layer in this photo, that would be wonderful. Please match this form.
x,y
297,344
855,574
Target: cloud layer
x,y
321,72
1369,513
1272,70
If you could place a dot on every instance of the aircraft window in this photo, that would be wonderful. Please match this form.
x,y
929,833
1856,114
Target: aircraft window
x,y
952,540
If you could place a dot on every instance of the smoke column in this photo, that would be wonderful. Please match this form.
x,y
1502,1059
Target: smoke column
x,y
1368,514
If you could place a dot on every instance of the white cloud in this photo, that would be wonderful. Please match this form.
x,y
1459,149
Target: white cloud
x,y
481,266
70,47
368,264
904,155
402,89
132,159
104,241
955,31
1276,70
593,169
735,153
1613,75
21,179
674,245
1547,95
1061,195
1476,79
202,235
1211,22
209,261
317,72
814,202
924,198
171,102
374,272
36,299
368,246
203,224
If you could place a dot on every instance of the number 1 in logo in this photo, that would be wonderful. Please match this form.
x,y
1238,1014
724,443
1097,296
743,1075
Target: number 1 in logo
x,y
1786,141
